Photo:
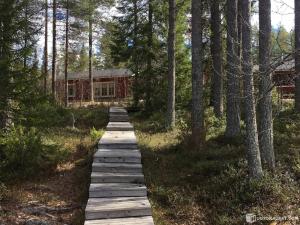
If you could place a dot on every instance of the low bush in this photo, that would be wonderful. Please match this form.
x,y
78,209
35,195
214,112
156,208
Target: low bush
x,y
96,134
25,152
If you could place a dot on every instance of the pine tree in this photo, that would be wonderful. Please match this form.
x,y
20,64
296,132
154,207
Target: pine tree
x,y
171,66
253,153
217,58
54,49
265,86
46,48
297,54
198,133
67,54
233,89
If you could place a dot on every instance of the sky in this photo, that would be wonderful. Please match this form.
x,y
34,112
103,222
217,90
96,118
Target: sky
x,y
282,14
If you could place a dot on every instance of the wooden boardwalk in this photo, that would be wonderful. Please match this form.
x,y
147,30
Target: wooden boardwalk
x,y
118,195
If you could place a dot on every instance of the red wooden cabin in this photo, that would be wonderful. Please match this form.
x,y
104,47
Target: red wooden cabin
x,y
108,85
284,79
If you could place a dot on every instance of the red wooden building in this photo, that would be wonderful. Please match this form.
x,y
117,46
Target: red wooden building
x,y
284,79
108,85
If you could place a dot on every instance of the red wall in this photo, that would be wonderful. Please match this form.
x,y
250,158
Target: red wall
x,y
122,88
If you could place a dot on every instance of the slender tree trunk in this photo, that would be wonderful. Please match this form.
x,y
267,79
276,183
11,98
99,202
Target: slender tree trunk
x,y
54,51
67,55
135,59
297,55
149,57
171,65
233,87
46,48
265,86
91,54
198,133
217,58
239,24
253,154
25,37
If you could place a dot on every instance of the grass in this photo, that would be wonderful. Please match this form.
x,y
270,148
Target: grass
x,y
63,187
211,186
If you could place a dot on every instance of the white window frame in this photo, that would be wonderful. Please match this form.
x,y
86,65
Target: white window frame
x,y
74,88
100,85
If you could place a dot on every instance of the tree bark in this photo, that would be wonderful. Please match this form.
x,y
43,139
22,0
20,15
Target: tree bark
x,y
265,85
233,87
253,154
217,58
54,51
149,57
67,55
171,65
46,48
135,59
297,54
91,53
198,133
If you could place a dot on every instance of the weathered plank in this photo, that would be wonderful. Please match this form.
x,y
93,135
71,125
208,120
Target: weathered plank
x,y
146,220
118,139
105,208
119,126
118,156
116,110
117,167
101,177
118,118
106,190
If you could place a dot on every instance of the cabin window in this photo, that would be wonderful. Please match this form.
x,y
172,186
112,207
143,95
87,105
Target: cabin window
x,y
71,90
104,89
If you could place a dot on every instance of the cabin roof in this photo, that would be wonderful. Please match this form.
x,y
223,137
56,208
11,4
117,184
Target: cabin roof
x,y
106,73
285,66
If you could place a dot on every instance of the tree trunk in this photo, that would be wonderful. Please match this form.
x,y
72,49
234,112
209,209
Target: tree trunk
x,y
91,54
135,59
25,37
149,57
54,51
265,85
198,133
233,87
253,154
46,48
171,65
67,55
297,55
217,58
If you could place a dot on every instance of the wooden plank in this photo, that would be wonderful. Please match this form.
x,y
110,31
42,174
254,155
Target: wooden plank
x,y
123,118
118,146
119,126
146,220
118,156
117,110
106,190
117,207
101,177
118,137
117,167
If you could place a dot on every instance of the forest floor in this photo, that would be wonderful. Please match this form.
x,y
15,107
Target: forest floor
x,y
56,196
209,186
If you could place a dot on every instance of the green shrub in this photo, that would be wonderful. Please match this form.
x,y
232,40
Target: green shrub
x,y
24,152
96,134
3,191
